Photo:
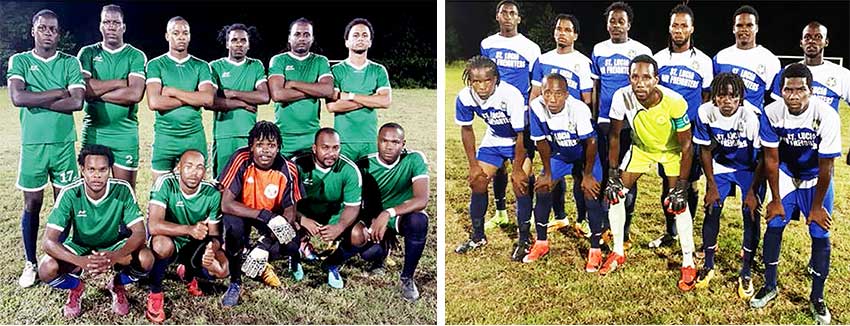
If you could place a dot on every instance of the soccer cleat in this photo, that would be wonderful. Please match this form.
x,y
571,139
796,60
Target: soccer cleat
x,y
231,297
594,259
688,279
520,250
665,240
307,252
269,277
334,279
704,276
821,312
181,272
193,288
120,306
763,297
499,219
28,275
581,230
298,273
470,245
408,289
745,288
73,306
154,310
377,271
540,249
612,263
557,224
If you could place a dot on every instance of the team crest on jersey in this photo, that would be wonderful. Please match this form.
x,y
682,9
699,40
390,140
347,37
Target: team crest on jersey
x,y
225,74
308,181
831,82
271,191
761,69
34,68
503,106
250,180
694,65
179,203
571,126
576,67
631,53
816,125
81,213
97,58
290,68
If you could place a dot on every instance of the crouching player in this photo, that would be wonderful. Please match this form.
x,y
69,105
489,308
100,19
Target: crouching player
x,y
95,207
561,126
184,225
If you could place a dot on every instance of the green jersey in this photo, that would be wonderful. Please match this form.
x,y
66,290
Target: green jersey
x,y
182,208
328,190
104,118
302,116
395,181
361,125
96,223
187,74
242,76
61,71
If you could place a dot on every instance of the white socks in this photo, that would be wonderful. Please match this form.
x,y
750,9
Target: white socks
x,y
617,219
685,228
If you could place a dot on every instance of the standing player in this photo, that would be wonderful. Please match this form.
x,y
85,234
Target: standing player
x,y
563,129
727,131
575,67
662,135
97,208
242,86
610,64
400,180
501,107
298,79
183,221
178,85
686,70
514,55
801,138
47,86
361,86
115,83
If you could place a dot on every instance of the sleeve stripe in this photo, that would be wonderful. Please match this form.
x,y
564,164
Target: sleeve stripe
x,y
260,82
137,220
324,75
296,182
153,80
207,82
16,77
352,204
383,88
55,227
86,72
463,123
536,138
769,144
157,202
422,176
213,221
701,141
136,74
281,75
76,86
235,166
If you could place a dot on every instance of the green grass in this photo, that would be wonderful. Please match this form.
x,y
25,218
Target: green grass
x,y
485,287
365,300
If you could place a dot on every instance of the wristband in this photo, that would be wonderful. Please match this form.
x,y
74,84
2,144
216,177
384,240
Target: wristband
x,y
391,211
350,96
265,215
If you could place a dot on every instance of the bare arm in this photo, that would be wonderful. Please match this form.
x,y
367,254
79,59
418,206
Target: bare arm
x,y
614,143
202,97
545,154
69,104
535,92
587,98
136,240
380,100
771,171
590,149
95,88
222,104
341,106
159,102
594,107
279,92
349,215
54,248
259,96
419,200
157,225
685,141
21,97
825,166
322,88
129,95
467,137
707,168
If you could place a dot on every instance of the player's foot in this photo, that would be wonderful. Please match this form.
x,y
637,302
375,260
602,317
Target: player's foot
x,y
540,249
181,272
594,259
408,289
498,220
688,279
154,310
821,312
231,297
557,224
298,273
665,240
520,250
470,245
763,297
73,306
334,279
745,288
581,230
611,264
28,276
307,252
120,306
704,276
269,277
193,288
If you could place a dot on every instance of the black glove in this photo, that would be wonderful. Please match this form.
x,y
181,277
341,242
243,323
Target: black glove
x,y
614,187
266,215
677,199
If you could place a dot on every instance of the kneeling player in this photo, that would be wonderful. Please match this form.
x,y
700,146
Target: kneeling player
x,y
184,225
727,130
561,126
96,207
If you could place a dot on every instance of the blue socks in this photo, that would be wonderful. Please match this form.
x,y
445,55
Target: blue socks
x,y
523,217
29,228
477,209
752,231
541,213
772,243
596,214
66,281
558,191
414,229
820,263
710,229
500,186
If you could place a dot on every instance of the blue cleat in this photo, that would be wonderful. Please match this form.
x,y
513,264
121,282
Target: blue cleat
x,y
231,297
334,279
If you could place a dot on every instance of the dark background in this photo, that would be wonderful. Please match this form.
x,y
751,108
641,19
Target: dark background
x,y
405,32
780,24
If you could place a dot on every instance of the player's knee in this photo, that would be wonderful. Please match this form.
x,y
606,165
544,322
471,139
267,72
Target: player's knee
x,y
358,235
48,269
32,202
146,259
478,185
162,246
415,225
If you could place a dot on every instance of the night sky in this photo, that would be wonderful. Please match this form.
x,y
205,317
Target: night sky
x,y
780,23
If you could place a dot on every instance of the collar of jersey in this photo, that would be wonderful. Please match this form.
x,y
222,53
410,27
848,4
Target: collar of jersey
x,y
45,60
119,49
292,55
390,166
188,56
348,62
96,202
323,170
227,59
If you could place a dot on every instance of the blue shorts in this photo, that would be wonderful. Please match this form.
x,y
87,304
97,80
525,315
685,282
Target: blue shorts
x,y
561,169
726,181
495,156
801,199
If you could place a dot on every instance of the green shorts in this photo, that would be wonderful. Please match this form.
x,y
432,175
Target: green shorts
x,y
40,163
81,250
124,148
166,149
222,149
356,151
296,144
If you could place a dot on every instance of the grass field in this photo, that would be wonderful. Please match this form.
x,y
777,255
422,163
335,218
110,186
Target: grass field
x,y
485,287
365,299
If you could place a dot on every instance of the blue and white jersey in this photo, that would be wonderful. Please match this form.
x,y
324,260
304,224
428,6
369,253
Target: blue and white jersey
x,y
514,56
801,139
610,64
830,83
574,66
737,137
688,73
504,113
564,130
757,67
